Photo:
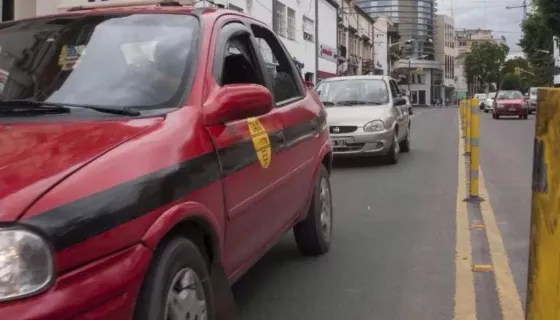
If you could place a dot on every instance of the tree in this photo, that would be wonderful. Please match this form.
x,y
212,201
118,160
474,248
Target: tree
x,y
484,62
550,10
536,35
526,79
511,82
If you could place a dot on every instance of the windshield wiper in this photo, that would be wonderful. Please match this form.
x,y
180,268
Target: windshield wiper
x,y
43,106
328,103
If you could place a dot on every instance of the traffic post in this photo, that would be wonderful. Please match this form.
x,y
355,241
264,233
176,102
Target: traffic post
x,y
468,126
543,296
473,151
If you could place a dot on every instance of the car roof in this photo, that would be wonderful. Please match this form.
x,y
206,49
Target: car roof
x,y
361,77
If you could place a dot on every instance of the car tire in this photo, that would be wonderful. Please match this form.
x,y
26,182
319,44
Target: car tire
x,y
485,111
173,262
404,146
392,156
314,234
525,117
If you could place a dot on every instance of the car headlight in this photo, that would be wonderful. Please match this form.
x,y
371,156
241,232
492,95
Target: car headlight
x,y
375,125
26,263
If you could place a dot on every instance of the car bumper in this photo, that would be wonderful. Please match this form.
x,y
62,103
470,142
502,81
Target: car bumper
x,y
104,289
508,112
364,143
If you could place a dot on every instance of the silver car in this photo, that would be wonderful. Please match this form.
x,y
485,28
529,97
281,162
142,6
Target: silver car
x,y
367,116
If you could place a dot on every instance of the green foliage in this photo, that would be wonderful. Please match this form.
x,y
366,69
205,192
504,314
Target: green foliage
x,y
538,36
550,10
511,82
484,62
526,79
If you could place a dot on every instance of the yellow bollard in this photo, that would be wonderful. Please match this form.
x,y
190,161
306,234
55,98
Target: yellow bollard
x,y
543,296
468,127
473,154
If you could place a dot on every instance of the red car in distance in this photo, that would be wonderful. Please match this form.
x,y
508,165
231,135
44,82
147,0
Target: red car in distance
x,y
510,103
149,156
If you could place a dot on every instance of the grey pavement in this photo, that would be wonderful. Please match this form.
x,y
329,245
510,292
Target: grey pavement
x,y
393,253
506,159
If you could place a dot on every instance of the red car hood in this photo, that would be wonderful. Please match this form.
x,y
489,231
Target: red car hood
x,y
511,101
36,156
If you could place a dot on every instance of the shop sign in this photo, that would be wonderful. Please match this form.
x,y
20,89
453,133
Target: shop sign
x,y
327,52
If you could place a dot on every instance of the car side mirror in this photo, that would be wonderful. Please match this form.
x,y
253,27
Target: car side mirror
x,y
399,102
236,102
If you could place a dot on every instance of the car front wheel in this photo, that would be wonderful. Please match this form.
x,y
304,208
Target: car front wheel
x,y
314,234
176,285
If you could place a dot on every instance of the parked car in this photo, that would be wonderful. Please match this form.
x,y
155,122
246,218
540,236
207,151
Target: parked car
x,y
481,98
367,116
532,100
142,178
489,102
510,103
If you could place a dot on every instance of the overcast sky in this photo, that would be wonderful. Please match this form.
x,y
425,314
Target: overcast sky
x,y
487,14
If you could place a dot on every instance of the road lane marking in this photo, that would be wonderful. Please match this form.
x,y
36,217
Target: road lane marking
x,y
464,302
482,267
508,297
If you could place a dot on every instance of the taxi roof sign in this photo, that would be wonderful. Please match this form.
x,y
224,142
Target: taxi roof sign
x,y
72,6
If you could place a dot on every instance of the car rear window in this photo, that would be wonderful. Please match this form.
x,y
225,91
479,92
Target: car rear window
x,y
509,95
128,60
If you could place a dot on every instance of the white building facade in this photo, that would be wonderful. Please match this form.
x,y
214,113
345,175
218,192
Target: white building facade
x,y
381,45
446,53
327,38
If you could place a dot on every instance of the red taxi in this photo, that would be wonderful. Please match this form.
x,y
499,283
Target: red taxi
x,y
510,103
149,156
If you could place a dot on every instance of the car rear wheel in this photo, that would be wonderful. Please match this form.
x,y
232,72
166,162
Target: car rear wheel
x,y
525,117
314,234
404,145
176,285
485,111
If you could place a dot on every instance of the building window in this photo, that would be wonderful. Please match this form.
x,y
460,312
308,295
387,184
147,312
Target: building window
x,y
280,25
308,29
291,24
342,37
234,7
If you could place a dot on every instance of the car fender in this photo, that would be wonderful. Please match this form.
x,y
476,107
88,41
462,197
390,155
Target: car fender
x,y
179,213
325,149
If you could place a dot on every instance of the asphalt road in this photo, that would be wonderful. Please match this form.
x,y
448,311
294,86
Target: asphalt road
x,y
393,255
506,159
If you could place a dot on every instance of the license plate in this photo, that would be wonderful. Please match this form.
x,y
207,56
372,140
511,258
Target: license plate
x,y
341,142
512,109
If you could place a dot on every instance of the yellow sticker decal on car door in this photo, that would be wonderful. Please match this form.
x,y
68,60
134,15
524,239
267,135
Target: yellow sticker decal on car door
x,y
261,142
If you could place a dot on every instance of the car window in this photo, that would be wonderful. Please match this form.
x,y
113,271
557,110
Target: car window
x,y
394,89
354,91
239,65
128,60
492,95
286,82
509,95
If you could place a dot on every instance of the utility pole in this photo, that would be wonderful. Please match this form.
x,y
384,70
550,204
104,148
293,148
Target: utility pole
x,y
524,6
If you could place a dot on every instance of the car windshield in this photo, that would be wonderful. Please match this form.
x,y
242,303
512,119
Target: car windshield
x,y
125,60
353,92
480,96
509,95
491,95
